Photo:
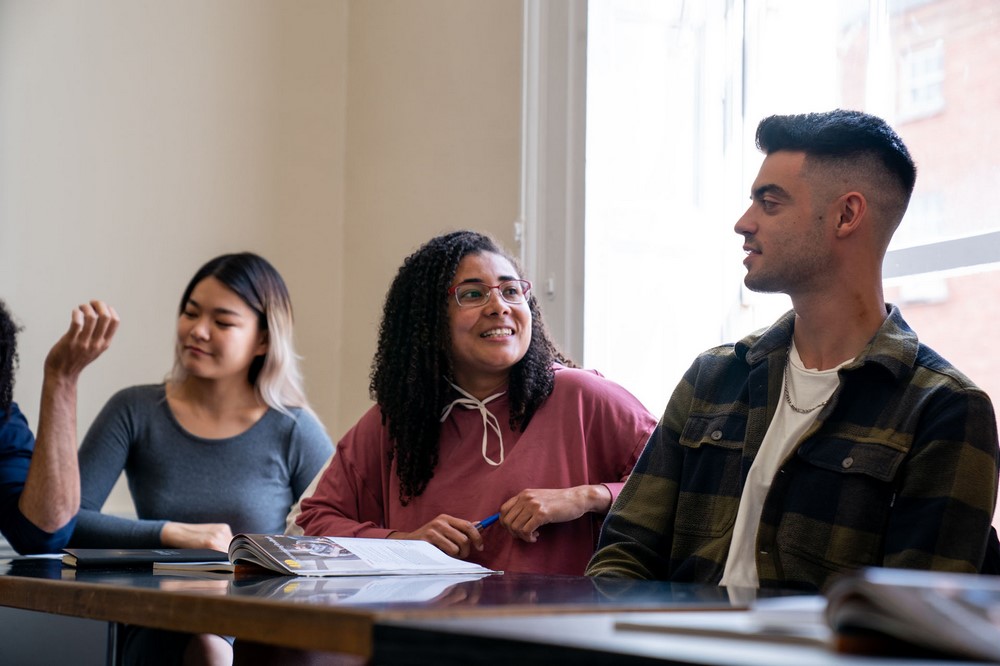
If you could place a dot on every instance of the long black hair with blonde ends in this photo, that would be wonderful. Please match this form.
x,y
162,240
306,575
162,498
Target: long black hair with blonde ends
x,y
412,365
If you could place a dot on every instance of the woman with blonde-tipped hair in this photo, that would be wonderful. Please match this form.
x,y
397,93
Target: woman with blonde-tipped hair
x,y
225,445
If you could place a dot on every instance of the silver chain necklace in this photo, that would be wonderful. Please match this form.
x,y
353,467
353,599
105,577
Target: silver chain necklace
x,y
788,397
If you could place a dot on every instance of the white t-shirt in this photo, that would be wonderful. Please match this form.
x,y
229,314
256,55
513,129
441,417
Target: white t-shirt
x,y
807,388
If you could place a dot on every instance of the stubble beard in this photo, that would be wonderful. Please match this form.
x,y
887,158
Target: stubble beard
x,y
764,283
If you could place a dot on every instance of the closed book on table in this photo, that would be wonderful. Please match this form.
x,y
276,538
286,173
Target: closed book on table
x,y
137,558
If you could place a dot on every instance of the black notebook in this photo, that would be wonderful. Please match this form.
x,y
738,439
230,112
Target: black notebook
x,y
138,557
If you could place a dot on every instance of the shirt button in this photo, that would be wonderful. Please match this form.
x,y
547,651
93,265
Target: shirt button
x,y
847,462
716,435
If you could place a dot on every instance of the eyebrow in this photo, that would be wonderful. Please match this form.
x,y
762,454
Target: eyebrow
x,y
217,311
770,188
502,278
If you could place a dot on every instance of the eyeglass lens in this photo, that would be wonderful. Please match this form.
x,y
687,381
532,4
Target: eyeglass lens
x,y
477,293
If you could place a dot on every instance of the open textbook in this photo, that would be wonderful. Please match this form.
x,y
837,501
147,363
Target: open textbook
x,y
896,611
344,556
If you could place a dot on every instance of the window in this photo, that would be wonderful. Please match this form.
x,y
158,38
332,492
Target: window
x,y
651,269
674,93
922,75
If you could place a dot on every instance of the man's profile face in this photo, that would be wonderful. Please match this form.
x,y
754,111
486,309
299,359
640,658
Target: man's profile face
x,y
784,235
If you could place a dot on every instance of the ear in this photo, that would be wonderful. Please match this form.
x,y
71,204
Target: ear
x,y
849,211
263,342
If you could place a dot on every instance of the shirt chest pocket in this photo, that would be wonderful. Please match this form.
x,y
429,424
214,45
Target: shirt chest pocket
x,y
724,432
709,497
853,456
834,504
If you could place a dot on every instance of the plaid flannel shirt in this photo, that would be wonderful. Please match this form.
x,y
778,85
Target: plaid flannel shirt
x,y
899,469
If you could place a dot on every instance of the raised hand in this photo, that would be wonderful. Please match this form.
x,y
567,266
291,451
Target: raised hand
x,y
91,329
51,494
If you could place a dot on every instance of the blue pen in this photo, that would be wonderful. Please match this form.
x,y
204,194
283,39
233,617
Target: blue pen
x,y
486,522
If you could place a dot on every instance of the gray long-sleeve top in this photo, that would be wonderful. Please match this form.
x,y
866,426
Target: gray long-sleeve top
x,y
248,481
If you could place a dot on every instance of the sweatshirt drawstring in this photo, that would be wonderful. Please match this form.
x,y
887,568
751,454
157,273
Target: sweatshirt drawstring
x,y
471,402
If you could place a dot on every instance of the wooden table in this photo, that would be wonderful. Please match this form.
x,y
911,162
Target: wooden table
x,y
392,620
329,614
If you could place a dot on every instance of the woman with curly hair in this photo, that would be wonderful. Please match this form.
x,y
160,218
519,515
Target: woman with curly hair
x,y
478,413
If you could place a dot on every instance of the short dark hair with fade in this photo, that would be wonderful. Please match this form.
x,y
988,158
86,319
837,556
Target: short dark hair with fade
x,y
840,134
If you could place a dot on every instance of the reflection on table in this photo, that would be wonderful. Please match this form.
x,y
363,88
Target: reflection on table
x,y
395,593
333,614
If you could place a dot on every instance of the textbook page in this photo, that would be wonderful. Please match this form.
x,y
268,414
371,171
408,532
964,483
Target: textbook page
x,y
345,556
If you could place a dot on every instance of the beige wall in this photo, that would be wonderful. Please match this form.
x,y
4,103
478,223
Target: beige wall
x,y
433,141
139,139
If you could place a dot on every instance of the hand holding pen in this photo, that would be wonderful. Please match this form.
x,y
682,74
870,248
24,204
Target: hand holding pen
x,y
486,522
453,536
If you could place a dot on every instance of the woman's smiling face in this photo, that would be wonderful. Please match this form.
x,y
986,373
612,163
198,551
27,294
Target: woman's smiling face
x,y
487,340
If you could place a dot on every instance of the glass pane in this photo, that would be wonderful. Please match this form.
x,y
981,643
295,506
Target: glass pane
x,y
675,92
656,142
947,98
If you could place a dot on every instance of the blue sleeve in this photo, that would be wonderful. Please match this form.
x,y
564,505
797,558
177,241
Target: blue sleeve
x,y
16,446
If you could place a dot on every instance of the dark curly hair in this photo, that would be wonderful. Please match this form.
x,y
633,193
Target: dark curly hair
x,y
8,359
413,362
